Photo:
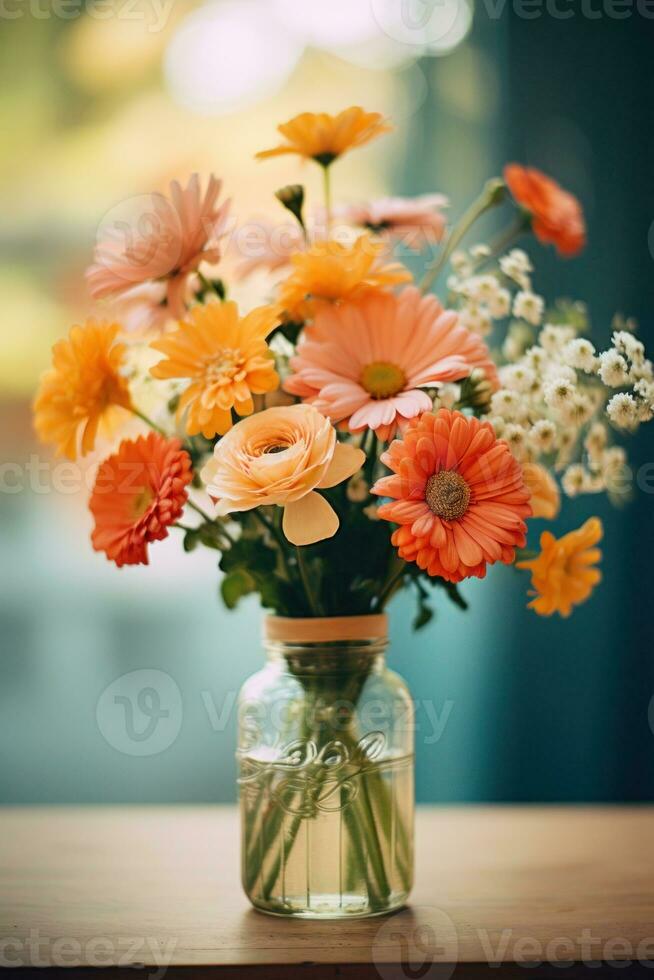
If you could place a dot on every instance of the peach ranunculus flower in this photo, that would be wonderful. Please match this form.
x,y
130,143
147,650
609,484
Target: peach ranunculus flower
x,y
557,217
369,362
563,574
330,272
172,236
283,456
84,390
139,492
322,137
457,494
227,360
414,222
545,498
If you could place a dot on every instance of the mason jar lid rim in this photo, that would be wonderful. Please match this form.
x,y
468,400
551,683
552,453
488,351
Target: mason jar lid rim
x,y
326,629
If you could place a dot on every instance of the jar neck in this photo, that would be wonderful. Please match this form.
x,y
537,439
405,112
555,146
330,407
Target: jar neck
x,y
329,645
328,658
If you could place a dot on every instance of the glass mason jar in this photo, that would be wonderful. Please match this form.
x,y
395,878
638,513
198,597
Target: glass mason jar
x,y
325,754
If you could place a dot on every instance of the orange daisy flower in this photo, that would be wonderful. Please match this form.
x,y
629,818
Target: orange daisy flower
x,y
322,137
173,235
458,496
139,492
545,497
227,359
368,363
83,390
557,217
563,574
330,272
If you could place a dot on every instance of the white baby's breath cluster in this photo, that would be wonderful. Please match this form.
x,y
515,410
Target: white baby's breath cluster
x,y
559,396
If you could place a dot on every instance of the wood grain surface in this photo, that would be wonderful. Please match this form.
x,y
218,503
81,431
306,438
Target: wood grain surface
x,y
498,891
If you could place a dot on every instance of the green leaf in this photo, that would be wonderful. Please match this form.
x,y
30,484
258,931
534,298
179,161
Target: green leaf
x,y
424,615
236,585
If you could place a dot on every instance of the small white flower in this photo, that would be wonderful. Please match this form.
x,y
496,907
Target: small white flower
x,y
553,337
641,372
506,403
483,289
579,353
543,435
580,411
574,480
516,438
516,266
448,395
622,410
500,305
476,319
646,391
528,306
626,344
536,358
517,377
613,368
595,441
460,262
480,251
498,424
559,392
566,441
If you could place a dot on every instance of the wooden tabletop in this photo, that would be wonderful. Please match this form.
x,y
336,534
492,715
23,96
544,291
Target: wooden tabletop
x,y
118,886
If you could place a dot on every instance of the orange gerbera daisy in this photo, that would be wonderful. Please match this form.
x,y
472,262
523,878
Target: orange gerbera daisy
x,y
139,492
227,359
563,574
369,362
83,390
322,137
330,272
545,497
557,217
458,496
171,237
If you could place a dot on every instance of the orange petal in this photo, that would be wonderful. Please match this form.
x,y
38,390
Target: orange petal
x,y
347,459
309,519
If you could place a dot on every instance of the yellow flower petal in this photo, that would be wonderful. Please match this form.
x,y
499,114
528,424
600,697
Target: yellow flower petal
x,y
309,519
347,459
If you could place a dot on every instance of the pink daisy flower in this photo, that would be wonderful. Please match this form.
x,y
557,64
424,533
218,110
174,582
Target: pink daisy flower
x,y
413,221
367,363
167,242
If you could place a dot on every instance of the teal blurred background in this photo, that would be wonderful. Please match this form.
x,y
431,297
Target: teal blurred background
x,y
510,706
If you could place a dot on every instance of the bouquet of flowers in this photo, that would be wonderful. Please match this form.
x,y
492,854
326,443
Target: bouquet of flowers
x,y
288,437
297,431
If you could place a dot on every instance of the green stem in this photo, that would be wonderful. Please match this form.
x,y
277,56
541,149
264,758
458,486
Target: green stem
x,y
492,194
327,190
279,538
389,587
306,582
153,425
501,242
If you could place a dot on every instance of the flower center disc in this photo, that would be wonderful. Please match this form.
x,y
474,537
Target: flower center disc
x,y
447,495
381,379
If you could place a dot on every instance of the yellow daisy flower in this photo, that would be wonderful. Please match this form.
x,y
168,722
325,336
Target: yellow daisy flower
x,y
322,137
331,272
83,391
227,359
